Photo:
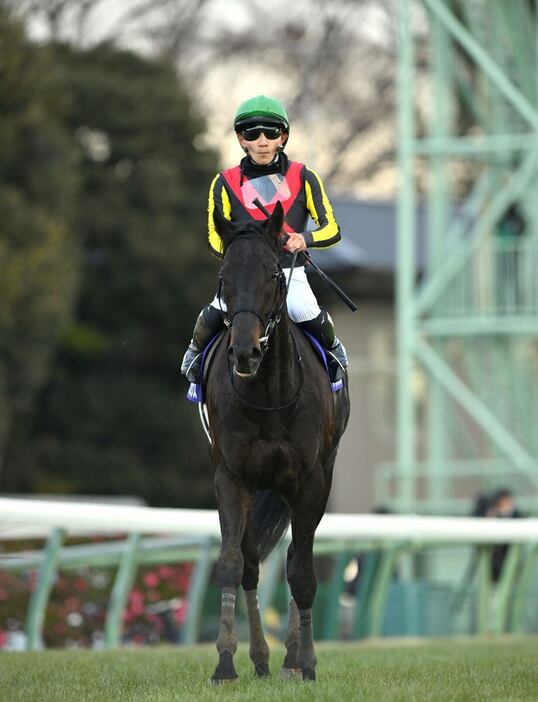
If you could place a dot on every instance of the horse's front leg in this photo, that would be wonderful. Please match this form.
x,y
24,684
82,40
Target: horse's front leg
x,y
259,648
233,504
290,668
306,515
302,581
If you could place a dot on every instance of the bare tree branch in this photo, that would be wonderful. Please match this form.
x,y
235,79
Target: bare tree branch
x,y
333,60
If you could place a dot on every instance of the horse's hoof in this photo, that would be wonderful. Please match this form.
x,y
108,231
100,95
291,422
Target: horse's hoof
x,y
225,670
309,674
221,681
292,656
262,670
291,674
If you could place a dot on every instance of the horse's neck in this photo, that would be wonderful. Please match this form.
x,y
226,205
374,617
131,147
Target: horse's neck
x,y
280,363
276,380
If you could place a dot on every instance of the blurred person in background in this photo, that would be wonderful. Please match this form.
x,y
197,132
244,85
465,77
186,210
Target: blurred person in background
x,y
500,504
262,128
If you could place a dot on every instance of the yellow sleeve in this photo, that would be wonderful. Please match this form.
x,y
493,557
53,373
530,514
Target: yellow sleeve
x,y
218,197
319,207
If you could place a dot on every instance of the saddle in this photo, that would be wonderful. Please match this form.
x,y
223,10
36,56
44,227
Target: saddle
x,y
323,355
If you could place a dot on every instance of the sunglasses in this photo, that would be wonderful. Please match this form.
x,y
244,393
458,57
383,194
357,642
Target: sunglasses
x,y
253,133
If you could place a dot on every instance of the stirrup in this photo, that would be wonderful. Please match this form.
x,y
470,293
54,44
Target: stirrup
x,y
336,368
190,366
340,353
337,361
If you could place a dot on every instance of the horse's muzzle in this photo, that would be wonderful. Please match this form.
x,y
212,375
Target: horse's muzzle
x,y
246,360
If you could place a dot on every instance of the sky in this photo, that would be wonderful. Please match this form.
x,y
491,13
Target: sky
x,y
105,21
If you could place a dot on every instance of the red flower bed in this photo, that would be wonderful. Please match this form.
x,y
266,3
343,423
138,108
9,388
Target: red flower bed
x,y
78,603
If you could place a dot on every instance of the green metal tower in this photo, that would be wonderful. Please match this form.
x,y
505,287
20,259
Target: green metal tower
x,y
468,329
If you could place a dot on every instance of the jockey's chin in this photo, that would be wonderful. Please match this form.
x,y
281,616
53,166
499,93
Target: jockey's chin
x,y
263,158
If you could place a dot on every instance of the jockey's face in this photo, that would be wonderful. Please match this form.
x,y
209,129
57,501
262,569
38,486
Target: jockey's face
x,y
263,150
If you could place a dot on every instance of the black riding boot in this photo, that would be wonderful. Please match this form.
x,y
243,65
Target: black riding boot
x,y
323,329
210,321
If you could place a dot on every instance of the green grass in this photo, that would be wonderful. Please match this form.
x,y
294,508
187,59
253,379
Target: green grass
x,y
489,670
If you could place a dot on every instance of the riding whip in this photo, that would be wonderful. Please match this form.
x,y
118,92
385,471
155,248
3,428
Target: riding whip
x,y
338,290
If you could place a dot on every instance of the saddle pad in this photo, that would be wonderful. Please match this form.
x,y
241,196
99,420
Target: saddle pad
x,y
196,390
322,353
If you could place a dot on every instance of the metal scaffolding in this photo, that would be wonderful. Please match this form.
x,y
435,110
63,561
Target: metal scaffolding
x,y
467,409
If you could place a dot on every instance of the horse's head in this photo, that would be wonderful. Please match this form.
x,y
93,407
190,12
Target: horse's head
x,y
251,285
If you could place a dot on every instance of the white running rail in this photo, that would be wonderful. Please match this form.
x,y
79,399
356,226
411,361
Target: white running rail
x,y
25,518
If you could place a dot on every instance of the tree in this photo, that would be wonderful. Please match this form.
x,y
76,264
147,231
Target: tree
x,y
39,260
113,418
332,62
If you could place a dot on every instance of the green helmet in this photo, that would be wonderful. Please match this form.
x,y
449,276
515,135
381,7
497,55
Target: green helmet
x,y
270,109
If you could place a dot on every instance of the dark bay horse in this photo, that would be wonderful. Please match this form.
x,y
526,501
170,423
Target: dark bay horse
x,y
275,426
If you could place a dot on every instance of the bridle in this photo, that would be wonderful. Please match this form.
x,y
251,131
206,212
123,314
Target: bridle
x,y
274,316
269,324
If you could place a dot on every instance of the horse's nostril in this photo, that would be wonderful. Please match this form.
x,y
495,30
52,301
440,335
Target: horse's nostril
x,y
245,357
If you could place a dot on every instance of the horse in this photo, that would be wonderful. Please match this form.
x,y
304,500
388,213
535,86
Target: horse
x,y
275,427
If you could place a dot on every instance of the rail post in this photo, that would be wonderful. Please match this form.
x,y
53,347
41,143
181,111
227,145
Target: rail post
x,y
507,586
197,590
120,591
40,596
484,589
381,588
330,615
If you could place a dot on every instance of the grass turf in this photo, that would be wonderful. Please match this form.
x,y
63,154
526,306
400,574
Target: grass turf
x,y
489,670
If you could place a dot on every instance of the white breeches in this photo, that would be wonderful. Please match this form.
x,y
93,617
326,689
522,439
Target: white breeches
x,y
302,303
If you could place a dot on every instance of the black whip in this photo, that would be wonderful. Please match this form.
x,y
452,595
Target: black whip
x,y
337,289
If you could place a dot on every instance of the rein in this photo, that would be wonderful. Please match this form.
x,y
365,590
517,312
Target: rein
x,y
269,324
291,402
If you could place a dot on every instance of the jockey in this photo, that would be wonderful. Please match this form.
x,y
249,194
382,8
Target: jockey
x,y
262,129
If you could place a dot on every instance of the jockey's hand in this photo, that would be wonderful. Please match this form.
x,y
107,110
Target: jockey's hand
x,y
295,242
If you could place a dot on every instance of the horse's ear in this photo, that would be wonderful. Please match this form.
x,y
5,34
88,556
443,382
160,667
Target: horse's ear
x,y
222,225
277,220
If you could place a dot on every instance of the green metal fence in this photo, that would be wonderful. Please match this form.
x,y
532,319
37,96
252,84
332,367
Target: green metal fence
x,y
468,145
381,602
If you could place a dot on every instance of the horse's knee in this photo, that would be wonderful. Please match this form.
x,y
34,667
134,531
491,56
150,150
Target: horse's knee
x,y
303,586
230,567
304,594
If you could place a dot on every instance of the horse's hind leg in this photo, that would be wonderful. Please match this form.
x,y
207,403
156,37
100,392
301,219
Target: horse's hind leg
x,y
234,502
290,667
259,648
